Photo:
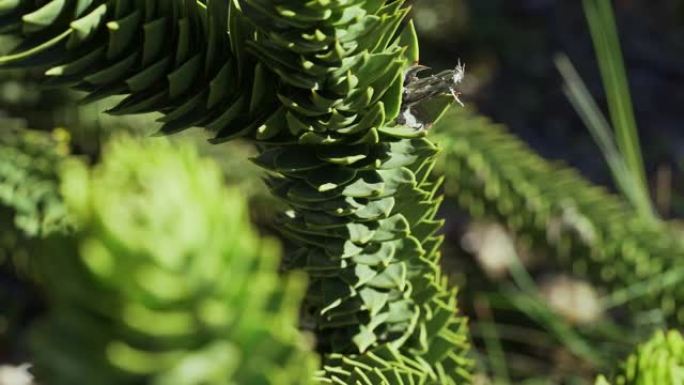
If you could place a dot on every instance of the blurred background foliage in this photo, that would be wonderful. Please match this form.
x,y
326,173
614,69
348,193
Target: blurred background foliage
x,y
536,318
541,312
509,47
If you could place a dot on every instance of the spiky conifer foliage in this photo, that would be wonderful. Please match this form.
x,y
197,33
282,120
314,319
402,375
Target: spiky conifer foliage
x,y
158,283
174,57
659,361
319,86
596,235
363,201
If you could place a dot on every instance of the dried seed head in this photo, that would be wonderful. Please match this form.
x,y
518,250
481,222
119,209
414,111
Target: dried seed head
x,y
418,90
458,76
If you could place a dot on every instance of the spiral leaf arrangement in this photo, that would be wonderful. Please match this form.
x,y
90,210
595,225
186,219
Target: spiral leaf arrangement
x,y
173,57
363,201
595,234
319,86
660,361
162,268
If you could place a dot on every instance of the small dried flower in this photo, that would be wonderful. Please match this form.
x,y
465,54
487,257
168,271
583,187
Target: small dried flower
x,y
418,90
15,375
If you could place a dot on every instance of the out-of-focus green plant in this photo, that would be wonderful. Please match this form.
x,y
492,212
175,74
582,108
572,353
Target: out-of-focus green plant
x,y
596,235
164,280
28,179
660,361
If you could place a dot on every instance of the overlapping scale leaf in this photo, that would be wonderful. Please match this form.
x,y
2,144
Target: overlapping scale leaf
x,y
364,217
340,63
363,203
162,271
436,354
356,241
660,361
598,236
171,56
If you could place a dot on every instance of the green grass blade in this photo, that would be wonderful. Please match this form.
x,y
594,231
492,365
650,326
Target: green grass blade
x,y
598,126
493,345
603,28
